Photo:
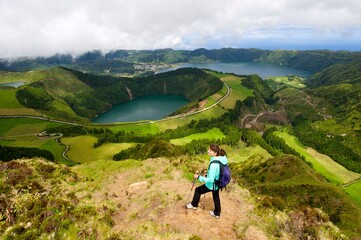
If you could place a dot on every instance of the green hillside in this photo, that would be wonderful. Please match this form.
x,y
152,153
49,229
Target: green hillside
x,y
345,102
298,102
192,83
70,95
341,73
133,179
296,184
145,199
340,86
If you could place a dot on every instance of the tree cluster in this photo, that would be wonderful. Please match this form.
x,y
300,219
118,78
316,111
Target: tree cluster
x,y
330,145
279,143
11,153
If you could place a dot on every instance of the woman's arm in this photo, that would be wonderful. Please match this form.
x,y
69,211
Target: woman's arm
x,y
211,174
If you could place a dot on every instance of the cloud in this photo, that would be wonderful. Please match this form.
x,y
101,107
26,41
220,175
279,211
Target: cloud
x,y
41,27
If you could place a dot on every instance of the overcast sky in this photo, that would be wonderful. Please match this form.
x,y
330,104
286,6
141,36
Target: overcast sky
x,y
46,27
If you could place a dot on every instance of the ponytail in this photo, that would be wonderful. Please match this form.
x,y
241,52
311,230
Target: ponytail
x,y
222,152
215,148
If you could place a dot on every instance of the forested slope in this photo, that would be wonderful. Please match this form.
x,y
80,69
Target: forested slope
x,y
69,94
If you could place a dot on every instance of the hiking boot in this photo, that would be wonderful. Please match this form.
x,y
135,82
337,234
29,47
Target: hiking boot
x,y
189,206
213,215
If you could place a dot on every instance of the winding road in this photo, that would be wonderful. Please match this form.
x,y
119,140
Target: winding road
x,y
196,112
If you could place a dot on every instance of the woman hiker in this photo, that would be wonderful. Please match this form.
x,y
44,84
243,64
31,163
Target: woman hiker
x,y
216,153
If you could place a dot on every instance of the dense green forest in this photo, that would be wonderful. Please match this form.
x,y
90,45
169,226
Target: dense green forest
x,y
192,83
333,146
12,153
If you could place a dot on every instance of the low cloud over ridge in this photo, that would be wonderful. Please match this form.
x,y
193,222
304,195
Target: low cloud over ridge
x,y
40,27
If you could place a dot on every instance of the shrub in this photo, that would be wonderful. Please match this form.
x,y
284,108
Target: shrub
x,y
45,169
195,237
18,174
107,219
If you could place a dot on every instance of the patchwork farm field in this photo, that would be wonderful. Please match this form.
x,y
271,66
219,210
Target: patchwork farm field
x,y
21,132
8,99
238,92
9,105
281,81
14,126
215,97
82,150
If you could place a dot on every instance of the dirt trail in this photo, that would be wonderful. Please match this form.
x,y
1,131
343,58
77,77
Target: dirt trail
x,y
161,199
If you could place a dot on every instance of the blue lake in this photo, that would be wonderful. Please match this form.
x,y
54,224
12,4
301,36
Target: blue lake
x,y
143,108
13,84
158,107
264,70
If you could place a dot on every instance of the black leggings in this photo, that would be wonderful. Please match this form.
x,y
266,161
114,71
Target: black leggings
x,y
215,193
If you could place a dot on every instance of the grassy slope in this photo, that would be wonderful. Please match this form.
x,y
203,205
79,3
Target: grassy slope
x,y
68,90
8,99
238,91
214,133
345,102
296,101
55,80
276,83
292,180
9,105
242,153
340,86
215,97
334,172
354,190
7,77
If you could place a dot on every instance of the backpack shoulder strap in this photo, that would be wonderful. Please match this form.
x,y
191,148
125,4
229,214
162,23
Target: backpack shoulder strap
x,y
215,161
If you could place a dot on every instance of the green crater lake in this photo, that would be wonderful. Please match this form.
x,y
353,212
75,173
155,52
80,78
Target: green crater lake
x,y
158,107
143,108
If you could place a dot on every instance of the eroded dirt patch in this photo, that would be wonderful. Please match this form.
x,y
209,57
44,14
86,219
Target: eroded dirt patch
x,y
156,193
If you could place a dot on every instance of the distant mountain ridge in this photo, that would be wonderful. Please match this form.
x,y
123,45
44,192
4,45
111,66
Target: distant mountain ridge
x,y
122,61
